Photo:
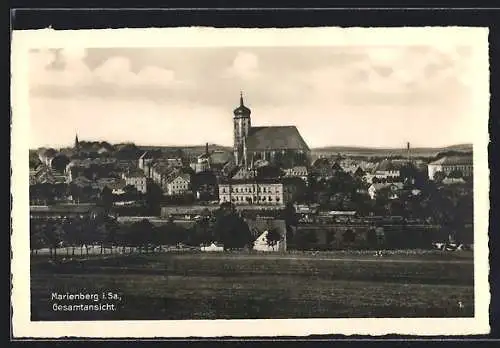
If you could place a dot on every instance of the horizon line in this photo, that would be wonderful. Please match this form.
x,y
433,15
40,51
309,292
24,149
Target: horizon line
x,y
361,147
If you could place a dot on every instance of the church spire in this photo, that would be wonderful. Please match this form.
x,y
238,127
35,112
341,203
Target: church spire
x,y
77,143
241,99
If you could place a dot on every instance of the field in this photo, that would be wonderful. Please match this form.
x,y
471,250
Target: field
x,y
192,285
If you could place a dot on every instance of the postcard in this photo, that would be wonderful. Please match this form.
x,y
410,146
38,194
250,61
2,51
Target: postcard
x,y
209,182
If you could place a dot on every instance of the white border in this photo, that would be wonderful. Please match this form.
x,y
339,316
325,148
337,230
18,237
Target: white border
x,y
22,41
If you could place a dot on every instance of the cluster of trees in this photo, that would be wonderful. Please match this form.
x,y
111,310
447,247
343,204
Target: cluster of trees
x,y
227,228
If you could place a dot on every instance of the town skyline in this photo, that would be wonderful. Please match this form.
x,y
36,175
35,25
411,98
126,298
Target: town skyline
x,y
379,96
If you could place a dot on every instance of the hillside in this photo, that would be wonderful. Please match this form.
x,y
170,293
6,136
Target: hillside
x,y
367,151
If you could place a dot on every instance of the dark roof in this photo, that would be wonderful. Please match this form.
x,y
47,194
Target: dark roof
x,y
321,162
275,138
242,110
336,166
387,165
220,157
135,173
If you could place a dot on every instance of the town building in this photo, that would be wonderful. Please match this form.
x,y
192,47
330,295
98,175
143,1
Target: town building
x,y
136,178
387,170
145,163
271,143
297,172
277,192
177,184
450,164
393,189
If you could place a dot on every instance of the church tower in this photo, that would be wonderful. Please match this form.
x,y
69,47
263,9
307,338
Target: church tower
x,y
242,125
77,143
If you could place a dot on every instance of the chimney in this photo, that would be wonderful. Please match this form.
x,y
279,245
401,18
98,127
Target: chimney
x,y
408,148
206,148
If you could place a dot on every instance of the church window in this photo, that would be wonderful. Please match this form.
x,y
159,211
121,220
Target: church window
x,y
270,199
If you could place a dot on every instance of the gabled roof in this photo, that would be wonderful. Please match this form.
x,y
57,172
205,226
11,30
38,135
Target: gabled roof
x,y
135,173
386,165
146,155
220,157
275,138
185,177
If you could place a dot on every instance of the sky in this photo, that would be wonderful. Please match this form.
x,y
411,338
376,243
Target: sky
x,y
374,96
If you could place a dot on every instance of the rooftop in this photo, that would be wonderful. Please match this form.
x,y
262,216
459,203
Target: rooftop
x,y
275,138
453,160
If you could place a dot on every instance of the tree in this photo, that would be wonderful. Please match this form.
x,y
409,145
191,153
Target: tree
x,y
34,160
37,237
456,174
107,198
154,196
306,239
141,233
232,231
273,237
60,162
439,176
54,234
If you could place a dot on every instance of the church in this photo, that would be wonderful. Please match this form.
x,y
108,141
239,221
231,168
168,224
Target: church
x,y
282,146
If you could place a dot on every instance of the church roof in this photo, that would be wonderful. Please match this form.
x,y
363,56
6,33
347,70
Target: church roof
x,y
275,138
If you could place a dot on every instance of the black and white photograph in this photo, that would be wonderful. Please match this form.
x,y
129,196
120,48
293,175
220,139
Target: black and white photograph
x,y
193,175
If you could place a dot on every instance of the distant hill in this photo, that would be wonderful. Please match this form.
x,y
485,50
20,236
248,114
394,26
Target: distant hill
x,y
375,152
187,148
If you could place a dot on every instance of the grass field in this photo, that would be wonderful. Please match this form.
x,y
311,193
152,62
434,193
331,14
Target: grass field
x,y
251,286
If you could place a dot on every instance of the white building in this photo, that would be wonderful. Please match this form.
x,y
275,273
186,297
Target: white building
x,y
447,165
137,179
261,244
177,184
297,172
212,247
265,192
386,169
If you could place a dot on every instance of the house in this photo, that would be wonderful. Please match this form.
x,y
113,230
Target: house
x,y
177,184
449,164
260,244
212,247
322,169
392,188
145,163
385,169
136,178
297,172
450,181
257,191
118,187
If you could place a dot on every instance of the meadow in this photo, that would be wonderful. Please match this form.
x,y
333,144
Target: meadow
x,y
195,285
